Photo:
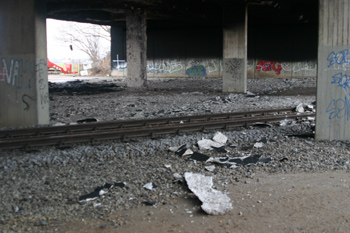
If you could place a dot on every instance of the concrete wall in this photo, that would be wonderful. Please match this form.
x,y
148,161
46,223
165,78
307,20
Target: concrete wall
x,y
287,52
201,67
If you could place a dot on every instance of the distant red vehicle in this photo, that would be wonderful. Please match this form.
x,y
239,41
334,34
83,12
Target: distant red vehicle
x,y
55,69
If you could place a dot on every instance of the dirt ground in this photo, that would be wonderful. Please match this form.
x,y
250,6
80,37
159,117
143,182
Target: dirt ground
x,y
316,202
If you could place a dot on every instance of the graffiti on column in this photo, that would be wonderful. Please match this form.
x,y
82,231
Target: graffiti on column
x,y
41,73
21,74
18,73
339,61
339,108
233,67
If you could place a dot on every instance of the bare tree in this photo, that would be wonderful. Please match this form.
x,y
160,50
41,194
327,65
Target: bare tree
x,y
86,38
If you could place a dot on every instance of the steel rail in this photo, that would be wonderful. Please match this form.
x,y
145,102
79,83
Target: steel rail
x,y
25,132
141,130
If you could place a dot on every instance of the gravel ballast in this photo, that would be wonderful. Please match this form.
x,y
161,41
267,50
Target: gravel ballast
x,y
42,185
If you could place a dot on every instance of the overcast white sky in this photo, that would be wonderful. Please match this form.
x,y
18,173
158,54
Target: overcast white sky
x,y
60,50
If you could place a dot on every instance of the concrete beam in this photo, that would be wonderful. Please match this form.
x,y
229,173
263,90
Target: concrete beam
x,y
235,48
136,49
24,97
333,83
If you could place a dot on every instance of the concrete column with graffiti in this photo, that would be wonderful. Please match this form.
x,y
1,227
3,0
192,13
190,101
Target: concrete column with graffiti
x,y
136,48
24,97
235,48
333,84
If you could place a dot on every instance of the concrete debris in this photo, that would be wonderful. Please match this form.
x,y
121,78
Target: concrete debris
x,y
177,176
175,148
181,150
300,108
210,168
233,162
99,191
220,138
207,144
188,152
287,122
258,145
150,186
214,202
310,107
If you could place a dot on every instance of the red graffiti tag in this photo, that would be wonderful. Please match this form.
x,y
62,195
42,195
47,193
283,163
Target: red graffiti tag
x,y
269,65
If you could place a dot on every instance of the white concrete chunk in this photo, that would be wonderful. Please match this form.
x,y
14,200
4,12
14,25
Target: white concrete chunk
x,y
207,144
258,145
214,202
300,108
220,138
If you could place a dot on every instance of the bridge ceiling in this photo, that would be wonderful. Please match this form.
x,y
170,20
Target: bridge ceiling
x,y
167,13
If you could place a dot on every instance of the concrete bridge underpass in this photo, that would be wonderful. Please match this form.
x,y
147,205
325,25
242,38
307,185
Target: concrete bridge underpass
x,y
218,38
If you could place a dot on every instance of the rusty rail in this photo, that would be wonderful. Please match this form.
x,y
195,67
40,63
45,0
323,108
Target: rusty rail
x,y
62,135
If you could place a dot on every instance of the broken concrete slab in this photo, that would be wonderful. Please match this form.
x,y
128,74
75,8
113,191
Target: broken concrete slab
x,y
300,108
207,144
214,201
220,138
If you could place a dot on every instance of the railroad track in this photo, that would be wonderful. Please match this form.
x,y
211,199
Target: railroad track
x,y
63,135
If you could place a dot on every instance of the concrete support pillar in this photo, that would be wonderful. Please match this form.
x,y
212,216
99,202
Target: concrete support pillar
x,y
333,83
136,48
235,48
24,98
